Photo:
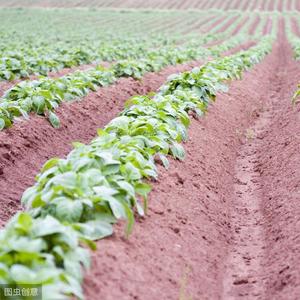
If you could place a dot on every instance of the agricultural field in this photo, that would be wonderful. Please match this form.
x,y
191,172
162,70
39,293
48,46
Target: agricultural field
x,y
149,149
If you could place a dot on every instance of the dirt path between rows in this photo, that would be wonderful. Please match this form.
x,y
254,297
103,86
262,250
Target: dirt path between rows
x,y
223,224
263,261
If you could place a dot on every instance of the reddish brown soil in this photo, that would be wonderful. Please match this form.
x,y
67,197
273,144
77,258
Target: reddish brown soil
x,y
228,5
204,4
235,4
245,6
272,5
240,25
268,26
254,5
295,27
280,5
228,23
198,25
278,148
223,224
241,47
266,248
265,4
255,23
215,23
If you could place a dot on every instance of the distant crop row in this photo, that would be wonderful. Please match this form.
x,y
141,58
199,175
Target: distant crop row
x,y
76,200
130,57
45,95
244,5
40,60
51,49
21,57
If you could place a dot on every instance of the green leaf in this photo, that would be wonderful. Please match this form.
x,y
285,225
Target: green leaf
x,y
24,275
47,226
24,222
142,189
54,120
68,210
164,160
67,180
131,171
177,151
94,230
2,124
39,104
49,164
23,244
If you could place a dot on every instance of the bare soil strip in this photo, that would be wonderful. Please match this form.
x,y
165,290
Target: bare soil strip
x,y
241,25
265,250
244,265
268,26
215,23
228,23
255,23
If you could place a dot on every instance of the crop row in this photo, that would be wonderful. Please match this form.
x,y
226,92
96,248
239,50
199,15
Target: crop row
x,y
45,95
21,57
267,5
34,55
41,60
76,200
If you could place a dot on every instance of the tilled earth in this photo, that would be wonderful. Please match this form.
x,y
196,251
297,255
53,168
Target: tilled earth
x,y
223,224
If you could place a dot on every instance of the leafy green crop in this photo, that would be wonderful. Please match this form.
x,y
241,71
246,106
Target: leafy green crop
x,y
76,200
43,96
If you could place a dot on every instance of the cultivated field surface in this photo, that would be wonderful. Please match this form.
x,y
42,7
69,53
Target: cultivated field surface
x,y
149,150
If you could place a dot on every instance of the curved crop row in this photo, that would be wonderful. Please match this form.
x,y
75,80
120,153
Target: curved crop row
x,y
37,55
40,54
42,60
76,200
44,96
